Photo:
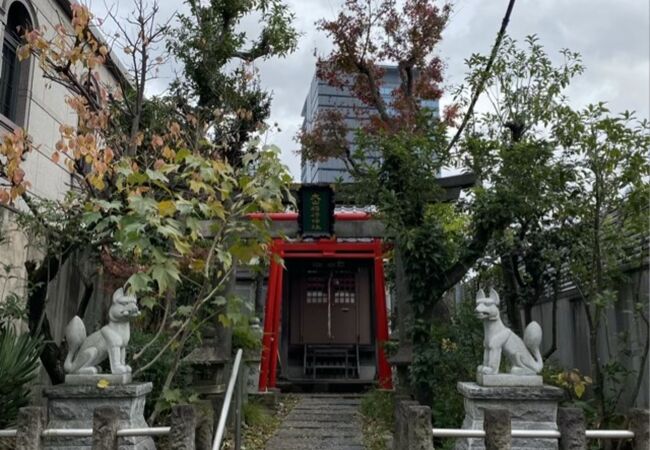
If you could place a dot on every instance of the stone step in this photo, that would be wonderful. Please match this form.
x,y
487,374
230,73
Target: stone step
x,y
321,422
300,424
317,432
280,443
327,410
314,446
322,418
338,406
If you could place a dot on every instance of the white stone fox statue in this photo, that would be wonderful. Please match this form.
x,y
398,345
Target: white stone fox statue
x,y
86,353
524,355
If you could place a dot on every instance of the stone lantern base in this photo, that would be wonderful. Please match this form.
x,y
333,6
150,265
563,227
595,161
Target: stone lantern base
x,y
530,407
72,406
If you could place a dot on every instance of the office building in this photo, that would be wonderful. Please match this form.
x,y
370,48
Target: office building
x,y
323,96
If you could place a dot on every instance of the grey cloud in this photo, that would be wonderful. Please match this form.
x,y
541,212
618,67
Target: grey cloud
x,y
612,36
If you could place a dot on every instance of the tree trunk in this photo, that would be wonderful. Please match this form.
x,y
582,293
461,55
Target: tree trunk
x,y
528,312
556,295
644,357
39,278
598,384
85,299
511,295
404,314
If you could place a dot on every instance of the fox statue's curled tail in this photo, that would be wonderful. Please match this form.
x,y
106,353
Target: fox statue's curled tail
x,y
533,341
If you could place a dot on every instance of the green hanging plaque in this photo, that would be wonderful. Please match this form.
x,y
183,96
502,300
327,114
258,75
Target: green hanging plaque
x,y
316,210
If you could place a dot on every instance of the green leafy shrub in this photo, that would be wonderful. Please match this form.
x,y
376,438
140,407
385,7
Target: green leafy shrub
x,y
158,371
243,337
454,351
19,361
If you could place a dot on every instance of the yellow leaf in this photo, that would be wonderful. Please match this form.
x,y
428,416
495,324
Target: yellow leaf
x,y
168,152
23,52
579,389
98,182
181,246
197,265
103,383
166,208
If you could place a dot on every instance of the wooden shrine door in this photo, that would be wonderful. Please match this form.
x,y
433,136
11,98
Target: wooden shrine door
x,y
333,303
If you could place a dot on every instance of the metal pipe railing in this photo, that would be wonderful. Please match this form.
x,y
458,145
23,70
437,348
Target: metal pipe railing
x,y
609,434
437,432
464,433
149,431
235,377
532,434
72,432
88,432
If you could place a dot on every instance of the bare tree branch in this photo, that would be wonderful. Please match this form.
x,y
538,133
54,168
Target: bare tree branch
x,y
485,76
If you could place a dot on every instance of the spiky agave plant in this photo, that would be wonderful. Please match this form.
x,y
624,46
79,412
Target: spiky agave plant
x,y
19,354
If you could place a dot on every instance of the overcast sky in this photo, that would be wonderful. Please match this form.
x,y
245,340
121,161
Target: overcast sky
x,y
612,36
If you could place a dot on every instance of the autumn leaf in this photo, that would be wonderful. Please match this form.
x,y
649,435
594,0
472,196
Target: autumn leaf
x,y
579,389
156,141
23,52
166,208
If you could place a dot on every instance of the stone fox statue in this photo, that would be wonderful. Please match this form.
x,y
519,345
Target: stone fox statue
x,y
524,355
86,353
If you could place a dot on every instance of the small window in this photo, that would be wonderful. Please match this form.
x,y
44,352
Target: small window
x,y
13,70
316,289
345,288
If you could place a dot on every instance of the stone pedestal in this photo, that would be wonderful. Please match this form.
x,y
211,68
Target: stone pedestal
x,y
531,408
76,378
509,380
72,406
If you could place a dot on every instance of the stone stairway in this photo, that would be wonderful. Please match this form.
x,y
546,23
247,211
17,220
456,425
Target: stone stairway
x,y
321,422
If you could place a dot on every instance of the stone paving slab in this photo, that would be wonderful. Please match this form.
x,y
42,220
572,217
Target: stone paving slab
x,y
320,418
321,422
303,424
319,433
327,411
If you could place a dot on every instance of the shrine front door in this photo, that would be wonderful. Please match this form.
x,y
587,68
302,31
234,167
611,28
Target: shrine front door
x,y
331,301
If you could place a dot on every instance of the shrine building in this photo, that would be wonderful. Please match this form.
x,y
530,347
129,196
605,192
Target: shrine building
x,y
326,307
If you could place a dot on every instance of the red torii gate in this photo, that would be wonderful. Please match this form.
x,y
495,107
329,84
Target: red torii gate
x,y
322,249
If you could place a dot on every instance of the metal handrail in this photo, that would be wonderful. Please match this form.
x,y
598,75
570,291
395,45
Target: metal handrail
x,y
88,432
609,434
221,427
437,432
147,431
539,434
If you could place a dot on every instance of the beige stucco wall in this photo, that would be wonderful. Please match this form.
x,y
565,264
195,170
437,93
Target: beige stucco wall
x,y
41,110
